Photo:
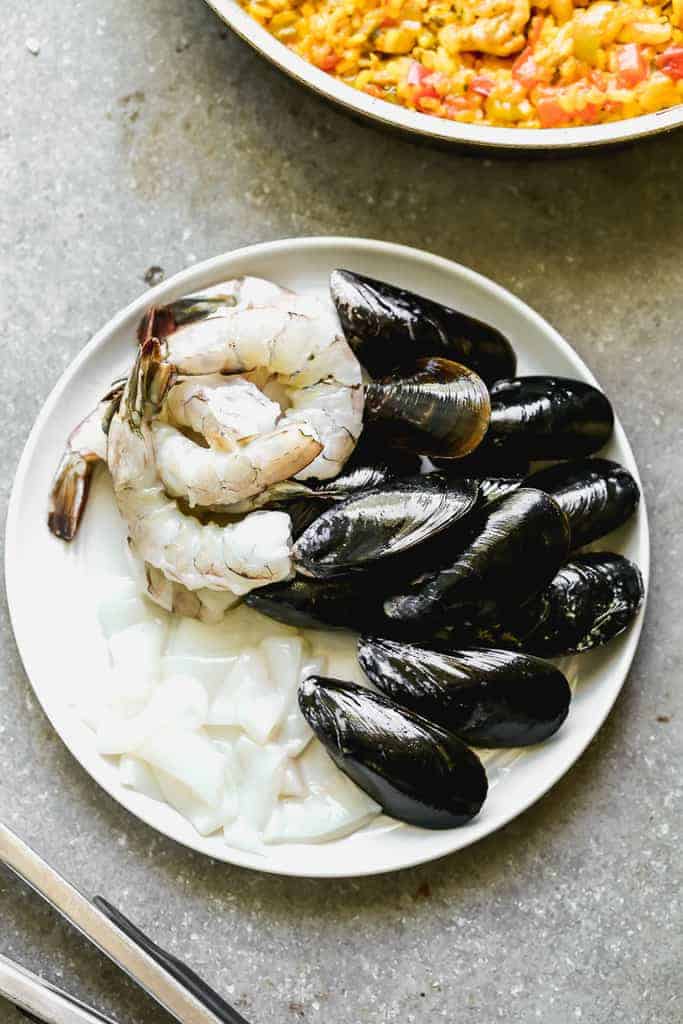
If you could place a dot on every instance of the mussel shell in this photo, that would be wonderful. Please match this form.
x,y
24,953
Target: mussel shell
x,y
366,470
592,599
549,417
505,551
371,451
487,697
346,602
596,495
488,460
417,771
441,409
382,523
369,466
303,513
390,327
492,487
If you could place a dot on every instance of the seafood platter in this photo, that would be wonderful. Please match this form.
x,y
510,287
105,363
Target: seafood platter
x,y
357,561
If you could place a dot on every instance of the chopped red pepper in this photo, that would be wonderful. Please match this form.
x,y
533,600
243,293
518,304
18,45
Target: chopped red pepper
x,y
671,62
482,85
422,80
525,69
458,105
329,62
632,67
590,113
550,113
389,22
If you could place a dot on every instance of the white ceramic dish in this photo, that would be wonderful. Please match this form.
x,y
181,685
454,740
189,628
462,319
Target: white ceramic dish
x,y
435,128
55,622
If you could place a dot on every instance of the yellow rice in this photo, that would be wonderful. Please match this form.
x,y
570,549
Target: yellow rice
x,y
496,62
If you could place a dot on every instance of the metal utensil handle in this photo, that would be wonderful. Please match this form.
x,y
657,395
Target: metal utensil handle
x,y
40,1000
180,971
187,1006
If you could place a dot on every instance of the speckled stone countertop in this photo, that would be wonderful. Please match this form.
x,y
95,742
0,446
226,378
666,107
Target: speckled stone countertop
x,y
145,135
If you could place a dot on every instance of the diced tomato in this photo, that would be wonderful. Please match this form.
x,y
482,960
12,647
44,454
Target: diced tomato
x,y
525,69
632,67
590,113
458,105
482,85
422,80
671,62
329,62
550,113
389,22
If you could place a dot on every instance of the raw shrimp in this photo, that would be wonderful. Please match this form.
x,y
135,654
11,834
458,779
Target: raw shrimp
x,y
213,478
223,410
235,558
207,605
489,26
86,446
335,412
290,343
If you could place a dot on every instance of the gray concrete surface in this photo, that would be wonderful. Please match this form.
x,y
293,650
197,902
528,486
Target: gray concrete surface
x,y
144,134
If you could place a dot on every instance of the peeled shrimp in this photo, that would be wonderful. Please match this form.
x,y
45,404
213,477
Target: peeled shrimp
x,y
236,558
223,410
488,26
335,413
213,478
86,446
206,605
291,344
295,336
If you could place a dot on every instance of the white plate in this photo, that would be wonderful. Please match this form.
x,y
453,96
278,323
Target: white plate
x,y
437,128
55,625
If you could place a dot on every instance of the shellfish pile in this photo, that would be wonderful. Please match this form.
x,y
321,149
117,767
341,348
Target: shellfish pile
x,y
375,477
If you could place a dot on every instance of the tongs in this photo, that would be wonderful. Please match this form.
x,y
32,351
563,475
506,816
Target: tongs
x,y
168,980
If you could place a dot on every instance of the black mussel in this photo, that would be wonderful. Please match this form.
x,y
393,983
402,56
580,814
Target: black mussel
x,y
493,487
368,467
487,461
379,524
596,495
416,770
487,697
549,417
341,603
303,513
441,409
371,453
505,551
592,599
358,478
366,470
390,328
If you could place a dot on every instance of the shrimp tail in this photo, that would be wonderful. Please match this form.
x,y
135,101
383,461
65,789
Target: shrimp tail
x,y
69,493
148,383
161,321
86,447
